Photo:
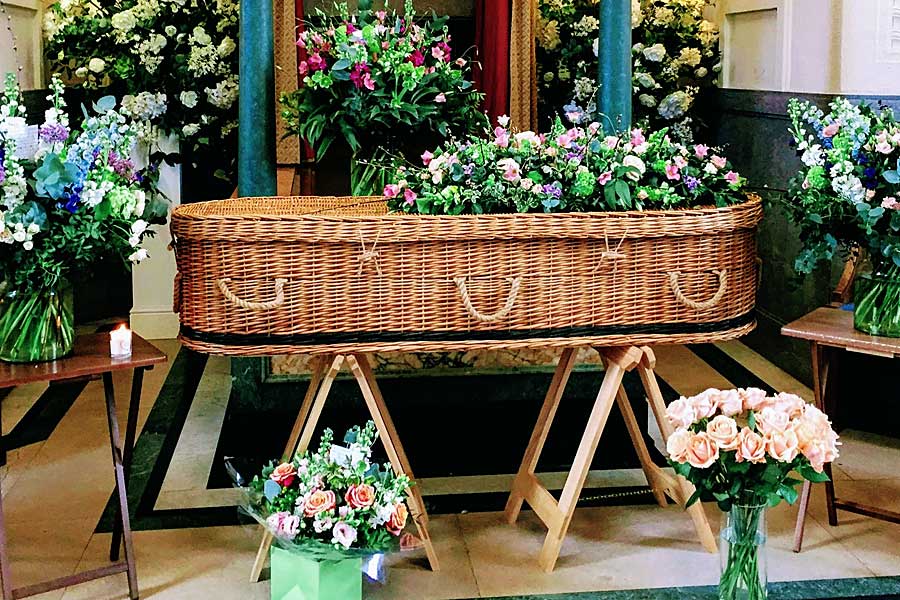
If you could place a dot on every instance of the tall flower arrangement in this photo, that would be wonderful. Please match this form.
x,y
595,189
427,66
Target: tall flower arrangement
x,y
847,196
381,82
67,202
675,56
173,64
740,449
567,169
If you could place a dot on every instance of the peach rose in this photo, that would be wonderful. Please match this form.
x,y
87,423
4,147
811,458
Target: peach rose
x,y
284,474
790,403
681,413
751,447
677,445
731,403
782,445
398,519
815,453
705,403
702,450
753,398
724,431
318,502
360,496
771,419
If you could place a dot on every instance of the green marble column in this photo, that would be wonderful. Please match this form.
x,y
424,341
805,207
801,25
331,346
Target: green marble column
x,y
256,132
615,93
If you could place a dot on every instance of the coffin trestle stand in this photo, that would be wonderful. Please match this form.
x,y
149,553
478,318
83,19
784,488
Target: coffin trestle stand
x,y
557,515
325,368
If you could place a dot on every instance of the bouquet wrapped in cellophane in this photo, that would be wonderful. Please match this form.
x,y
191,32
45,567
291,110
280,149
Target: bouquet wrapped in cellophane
x,y
332,513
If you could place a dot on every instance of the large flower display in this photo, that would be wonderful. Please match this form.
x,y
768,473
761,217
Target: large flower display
x,y
675,56
379,81
173,64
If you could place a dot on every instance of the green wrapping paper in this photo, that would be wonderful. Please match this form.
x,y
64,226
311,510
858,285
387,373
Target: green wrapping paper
x,y
298,577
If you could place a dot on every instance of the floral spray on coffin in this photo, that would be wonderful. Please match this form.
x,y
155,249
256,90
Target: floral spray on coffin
x,y
333,513
739,448
68,200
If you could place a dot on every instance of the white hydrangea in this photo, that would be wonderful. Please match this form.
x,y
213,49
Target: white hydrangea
x,y
94,193
226,47
146,106
647,100
585,88
645,80
663,16
224,94
586,26
655,53
690,57
96,65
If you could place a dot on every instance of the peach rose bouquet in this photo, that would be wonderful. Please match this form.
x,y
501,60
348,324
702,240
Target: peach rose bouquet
x,y
741,448
334,502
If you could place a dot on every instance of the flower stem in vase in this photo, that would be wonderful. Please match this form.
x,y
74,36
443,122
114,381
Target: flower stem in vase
x,y
37,325
877,301
743,543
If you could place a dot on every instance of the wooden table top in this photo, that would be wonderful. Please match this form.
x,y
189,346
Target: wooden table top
x,y
90,357
834,327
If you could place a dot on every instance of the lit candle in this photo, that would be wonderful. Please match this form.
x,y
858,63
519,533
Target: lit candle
x,y
120,342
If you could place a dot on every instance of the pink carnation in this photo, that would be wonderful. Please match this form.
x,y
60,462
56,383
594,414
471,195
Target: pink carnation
x,y
701,150
409,196
732,177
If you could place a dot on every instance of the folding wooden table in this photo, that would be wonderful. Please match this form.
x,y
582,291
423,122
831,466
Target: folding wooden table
x,y
830,330
89,360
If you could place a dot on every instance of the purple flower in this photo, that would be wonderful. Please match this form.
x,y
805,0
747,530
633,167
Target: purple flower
x,y
691,182
469,169
123,167
52,133
553,190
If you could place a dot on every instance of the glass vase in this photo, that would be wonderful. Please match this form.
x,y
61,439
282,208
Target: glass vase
x,y
876,296
37,325
742,550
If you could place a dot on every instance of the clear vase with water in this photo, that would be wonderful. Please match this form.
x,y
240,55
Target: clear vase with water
x,y
742,549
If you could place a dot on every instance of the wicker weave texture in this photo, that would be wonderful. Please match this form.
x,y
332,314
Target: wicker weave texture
x,y
334,267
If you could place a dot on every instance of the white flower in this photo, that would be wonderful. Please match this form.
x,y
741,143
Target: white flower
x,y
32,228
645,80
19,235
647,100
138,227
584,88
637,163
138,255
226,47
710,169
189,99
709,32
81,72
586,26
190,129
224,94
123,21
655,53
28,245
200,37
171,30
97,65
701,72
663,16
690,57
636,15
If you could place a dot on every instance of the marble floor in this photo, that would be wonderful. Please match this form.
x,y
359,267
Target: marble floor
x,y
191,543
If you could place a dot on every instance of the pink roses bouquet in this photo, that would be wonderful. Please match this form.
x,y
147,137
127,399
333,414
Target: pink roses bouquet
x,y
333,502
739,448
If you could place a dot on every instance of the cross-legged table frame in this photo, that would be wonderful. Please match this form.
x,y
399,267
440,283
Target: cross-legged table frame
x,y
91,359
557,515
324,371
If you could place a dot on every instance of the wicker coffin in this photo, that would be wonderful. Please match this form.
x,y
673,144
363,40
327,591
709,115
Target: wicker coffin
x,y
323,275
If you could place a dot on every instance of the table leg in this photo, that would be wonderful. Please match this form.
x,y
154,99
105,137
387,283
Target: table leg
x,y
121,490
130,432
5,578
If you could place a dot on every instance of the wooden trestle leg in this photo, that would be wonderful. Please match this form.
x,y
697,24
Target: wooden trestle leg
x,y
325,370
558,515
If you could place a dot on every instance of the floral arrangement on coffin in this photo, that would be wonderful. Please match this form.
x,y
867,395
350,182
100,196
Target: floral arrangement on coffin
x,y
374,80
847,196
68,199
566,170
675,56
739,448
334,498
174,64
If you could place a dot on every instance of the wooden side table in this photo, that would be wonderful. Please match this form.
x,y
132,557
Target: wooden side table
x,y
830,330
89,360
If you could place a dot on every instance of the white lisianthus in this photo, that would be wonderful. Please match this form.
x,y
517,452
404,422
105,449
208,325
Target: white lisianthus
x,y
189,99
635,162
28,245
138,227
97,65
138,255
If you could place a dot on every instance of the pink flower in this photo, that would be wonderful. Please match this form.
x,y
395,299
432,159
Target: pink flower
x,y
301,41
350,28
680,162
381,15
461,62
724,431
831,130
343,534
677,445
416,58
705,403
772,419
564,140
730,403
701,150
732,177
409,196
391,190
441,51
511,169
637,137
718,161
426,157
890,204
501,137
361,78
702,451
368,82
604,178
805,184
303,67
611,142
672,172
783,446
316,62
753,398
681,413
440,98
751,447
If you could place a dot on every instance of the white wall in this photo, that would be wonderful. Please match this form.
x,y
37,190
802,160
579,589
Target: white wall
x,y
25,18
814,46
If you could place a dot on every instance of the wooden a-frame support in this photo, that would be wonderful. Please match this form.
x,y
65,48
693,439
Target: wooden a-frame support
x,y
558,515
324,371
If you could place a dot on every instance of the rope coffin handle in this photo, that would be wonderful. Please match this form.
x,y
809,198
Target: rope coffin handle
x,y
515,283
240,303
679,295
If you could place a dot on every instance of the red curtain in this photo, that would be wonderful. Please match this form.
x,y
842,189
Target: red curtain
x,y
492,27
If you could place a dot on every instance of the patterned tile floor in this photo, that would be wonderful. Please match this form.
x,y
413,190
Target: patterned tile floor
x,y
191,545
